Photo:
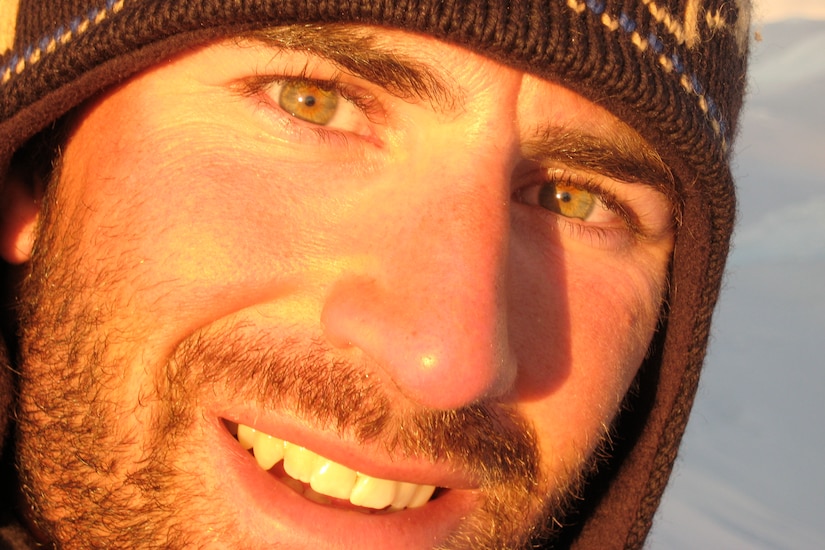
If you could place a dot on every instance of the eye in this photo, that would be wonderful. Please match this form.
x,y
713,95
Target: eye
x,y
308,102
573,199
329,107
583,203
566,200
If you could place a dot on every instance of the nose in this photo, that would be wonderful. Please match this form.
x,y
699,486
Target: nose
x,y
428,303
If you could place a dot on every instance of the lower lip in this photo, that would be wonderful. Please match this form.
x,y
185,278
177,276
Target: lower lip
x,y
269,512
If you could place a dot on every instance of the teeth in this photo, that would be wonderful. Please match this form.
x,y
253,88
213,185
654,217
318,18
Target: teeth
x,y
268,450
299,463
422,496
371,492
404,495
328,479
246,436
333,480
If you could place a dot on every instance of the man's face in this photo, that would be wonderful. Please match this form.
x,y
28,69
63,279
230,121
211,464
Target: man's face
x,y
415,266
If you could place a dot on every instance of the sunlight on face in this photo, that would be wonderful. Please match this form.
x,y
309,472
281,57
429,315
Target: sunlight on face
x,y
398,261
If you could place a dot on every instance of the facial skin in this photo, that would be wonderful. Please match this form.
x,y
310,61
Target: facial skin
x,y
391,290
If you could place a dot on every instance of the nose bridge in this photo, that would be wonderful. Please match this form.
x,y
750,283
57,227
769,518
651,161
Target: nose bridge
x,y
430,309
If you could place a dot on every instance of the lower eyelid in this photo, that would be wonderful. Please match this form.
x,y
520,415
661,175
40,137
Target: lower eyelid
x,y
597,236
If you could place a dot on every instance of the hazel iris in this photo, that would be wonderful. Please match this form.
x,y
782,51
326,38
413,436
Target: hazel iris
x,y
308,102
567,200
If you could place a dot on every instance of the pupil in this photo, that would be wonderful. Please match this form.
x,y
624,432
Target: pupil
x,y
564,197
309,101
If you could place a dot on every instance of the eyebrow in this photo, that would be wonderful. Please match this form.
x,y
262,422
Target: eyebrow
x,y
621,155
357,53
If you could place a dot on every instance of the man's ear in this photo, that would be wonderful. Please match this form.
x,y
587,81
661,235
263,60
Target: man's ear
x,y
19,211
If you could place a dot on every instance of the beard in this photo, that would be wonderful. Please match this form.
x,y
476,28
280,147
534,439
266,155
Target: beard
x,y
103,466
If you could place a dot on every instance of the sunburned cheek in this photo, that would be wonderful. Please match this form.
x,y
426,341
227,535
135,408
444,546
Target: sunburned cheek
x,y
617,311
609,322
192,229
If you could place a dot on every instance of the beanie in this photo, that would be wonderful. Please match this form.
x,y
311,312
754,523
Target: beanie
x,y
673,70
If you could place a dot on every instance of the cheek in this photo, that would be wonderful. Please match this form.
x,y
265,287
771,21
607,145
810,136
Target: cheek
x,y
580,338
191,231
614,307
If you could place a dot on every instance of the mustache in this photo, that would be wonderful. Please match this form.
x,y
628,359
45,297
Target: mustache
x,y
488,439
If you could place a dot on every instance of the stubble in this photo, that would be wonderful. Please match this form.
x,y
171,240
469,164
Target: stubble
x,y
105,467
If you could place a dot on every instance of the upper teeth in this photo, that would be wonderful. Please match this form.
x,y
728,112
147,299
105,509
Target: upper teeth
x,y
329,478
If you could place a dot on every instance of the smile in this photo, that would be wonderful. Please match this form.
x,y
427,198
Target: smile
x,y
325,481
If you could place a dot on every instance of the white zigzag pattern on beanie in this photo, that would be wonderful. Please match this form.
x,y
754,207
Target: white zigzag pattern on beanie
x,y
63,35
684,28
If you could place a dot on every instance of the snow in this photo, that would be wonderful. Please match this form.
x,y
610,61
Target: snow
x,y
750,473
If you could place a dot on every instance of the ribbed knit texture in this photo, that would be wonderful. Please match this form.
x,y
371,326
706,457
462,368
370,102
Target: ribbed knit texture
x,y
673,70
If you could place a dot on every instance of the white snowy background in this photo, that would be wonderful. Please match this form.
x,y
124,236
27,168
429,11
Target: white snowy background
x,y
751,474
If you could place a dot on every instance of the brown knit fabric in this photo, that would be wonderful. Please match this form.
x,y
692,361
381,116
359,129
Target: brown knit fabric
x,y
673,70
